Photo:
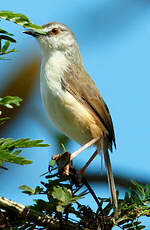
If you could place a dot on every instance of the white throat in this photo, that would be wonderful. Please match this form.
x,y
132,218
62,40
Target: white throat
x,y
54,64
52,69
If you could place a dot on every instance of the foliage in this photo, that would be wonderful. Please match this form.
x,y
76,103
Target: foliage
x,y
6,38
5,42
19,19
63,202
9,148
9,102
135,204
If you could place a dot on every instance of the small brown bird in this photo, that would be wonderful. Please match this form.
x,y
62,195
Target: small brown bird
x,y
70,96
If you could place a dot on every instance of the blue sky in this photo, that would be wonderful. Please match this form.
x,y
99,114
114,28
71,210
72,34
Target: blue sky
x,y
114,40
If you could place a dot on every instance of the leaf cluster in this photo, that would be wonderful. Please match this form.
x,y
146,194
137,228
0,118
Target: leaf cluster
x,y
9,148
136,203
63,202
6,38
19,19
61,193
5,41
9,102
62,196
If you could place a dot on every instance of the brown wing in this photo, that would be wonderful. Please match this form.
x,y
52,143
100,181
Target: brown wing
x,y
82,87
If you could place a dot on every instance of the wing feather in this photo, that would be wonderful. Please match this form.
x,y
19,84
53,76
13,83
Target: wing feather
x,y
82,87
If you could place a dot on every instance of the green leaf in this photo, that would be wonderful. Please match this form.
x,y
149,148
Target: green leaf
x,y
43,206
9,51
9,101
139,188
63,196
3,119
9,149
20,143
27,143
26,189
5,32
51,163
5,156
38,190
8,15
16,152
31,191
140,227
59,208
5,37
127,199
58,193
19,19
5,47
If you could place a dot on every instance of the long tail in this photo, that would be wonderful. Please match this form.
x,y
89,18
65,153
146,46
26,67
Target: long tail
x,y
111,182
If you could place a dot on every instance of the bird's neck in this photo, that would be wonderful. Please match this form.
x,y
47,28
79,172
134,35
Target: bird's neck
x,y
52,70
73,55
56,62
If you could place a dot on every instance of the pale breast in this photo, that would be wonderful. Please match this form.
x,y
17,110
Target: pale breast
x,y
67,114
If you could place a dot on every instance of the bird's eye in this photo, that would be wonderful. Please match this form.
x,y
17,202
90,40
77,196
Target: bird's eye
x,y
54,31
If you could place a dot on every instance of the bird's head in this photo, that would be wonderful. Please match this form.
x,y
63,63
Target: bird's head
x,y
55,36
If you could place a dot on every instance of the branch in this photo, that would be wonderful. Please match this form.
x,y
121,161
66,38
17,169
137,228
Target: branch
x,y
31,216
120,180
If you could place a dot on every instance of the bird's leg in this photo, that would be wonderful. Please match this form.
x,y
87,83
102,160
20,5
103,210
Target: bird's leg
x,y
66,165
81,171
93,141
73,155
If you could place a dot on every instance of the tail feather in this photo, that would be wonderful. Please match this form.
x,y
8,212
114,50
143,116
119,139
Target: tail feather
x,y
111,181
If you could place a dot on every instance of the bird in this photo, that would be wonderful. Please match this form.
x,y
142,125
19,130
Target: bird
x,y
70,96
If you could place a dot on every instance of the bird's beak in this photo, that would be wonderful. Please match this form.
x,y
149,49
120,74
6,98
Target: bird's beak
x,y
31,32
